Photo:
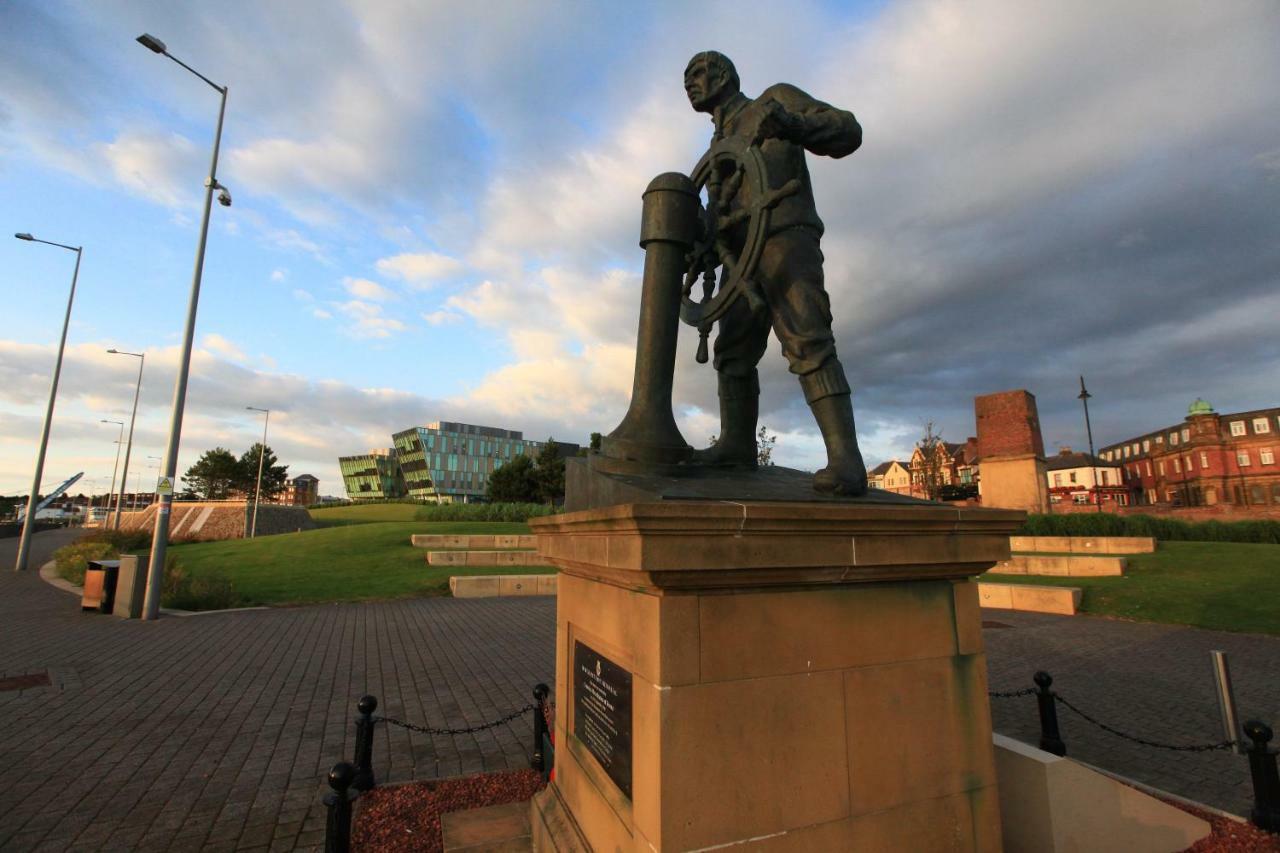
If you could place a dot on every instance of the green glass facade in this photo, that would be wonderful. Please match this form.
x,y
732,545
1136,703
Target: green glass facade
x,y
372,476
442,462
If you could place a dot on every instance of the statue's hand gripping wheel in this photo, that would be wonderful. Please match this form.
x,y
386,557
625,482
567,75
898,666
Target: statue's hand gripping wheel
x,y
733,236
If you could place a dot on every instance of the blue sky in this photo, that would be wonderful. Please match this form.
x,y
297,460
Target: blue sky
x,y
435,214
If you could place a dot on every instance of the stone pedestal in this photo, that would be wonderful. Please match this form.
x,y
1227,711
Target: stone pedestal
x,y
801,676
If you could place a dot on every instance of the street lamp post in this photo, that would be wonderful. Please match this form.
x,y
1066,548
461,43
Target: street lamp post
x,y
1083,397
116,469
160,538
28,524
262,454
142,360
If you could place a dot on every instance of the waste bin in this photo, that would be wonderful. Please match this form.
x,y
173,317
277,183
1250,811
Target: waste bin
x,y
100,585
131,585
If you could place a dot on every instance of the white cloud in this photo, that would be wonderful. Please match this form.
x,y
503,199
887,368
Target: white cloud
x,y
302,295
216,343
321,314
366,320
362,288
279,274
442,317
422,269
162,167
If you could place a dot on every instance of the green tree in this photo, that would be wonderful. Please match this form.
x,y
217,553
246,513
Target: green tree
x,y
514,482
764,447
273,475
215,473
550,473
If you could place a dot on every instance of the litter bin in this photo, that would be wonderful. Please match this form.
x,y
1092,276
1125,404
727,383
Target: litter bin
x,y
100,585
131,585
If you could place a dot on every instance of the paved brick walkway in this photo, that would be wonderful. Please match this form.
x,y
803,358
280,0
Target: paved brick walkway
x,y
214,732
1155,681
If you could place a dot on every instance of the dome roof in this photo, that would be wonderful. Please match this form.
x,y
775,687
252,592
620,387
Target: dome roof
x,y
1199,407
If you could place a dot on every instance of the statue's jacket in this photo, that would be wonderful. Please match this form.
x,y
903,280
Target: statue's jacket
x,y
826,130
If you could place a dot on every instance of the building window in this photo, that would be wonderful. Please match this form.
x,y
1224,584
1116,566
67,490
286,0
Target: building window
x,y
1260,425
1242,458
1257,495
1126,451
1265,456
1057,479
1186,435
1210,495
1146,445
1159,439
1160,467
1187,461
1148,467
1177,466
1073,476
1104,478
1237,427
1173,438
1204,459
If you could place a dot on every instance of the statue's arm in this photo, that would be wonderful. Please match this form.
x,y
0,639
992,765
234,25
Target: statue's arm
x,y
823,129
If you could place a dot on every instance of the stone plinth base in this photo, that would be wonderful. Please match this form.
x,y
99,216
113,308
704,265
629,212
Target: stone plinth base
x,y
802,676
1015,482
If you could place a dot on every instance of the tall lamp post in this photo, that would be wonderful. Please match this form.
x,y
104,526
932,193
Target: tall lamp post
x,y
28,524
1083,397
262,454
142,360
160,538
116,469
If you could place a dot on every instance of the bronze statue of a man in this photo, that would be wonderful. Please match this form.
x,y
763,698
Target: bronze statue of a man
x,y
783,122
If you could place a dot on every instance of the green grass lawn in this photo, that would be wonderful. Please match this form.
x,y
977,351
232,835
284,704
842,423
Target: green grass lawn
x,y
351,561
1226,586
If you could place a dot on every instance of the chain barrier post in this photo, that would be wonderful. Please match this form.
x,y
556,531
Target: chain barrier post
x,y
337,828
1050,737
364,779
540,693
1266,778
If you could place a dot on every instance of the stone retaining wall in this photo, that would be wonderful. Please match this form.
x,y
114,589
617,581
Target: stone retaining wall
x,y
206,521
1064,600
484,542
1082,544
1068,566
486,558
491,586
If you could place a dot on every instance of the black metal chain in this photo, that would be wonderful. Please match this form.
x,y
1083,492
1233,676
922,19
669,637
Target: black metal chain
x,y
429,730
1010,694
1207,747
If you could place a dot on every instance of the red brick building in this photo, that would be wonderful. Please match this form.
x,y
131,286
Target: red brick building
x,y
1205,460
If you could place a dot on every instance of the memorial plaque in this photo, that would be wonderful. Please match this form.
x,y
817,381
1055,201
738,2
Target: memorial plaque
x,y
602,712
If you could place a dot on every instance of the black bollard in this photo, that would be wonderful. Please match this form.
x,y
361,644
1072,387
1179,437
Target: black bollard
x,y
364,779
337,828
540,693
1050,737
1266,778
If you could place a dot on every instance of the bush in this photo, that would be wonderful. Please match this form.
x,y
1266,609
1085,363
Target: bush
x,y
73,560
124,541
1168,529
483,512
205,591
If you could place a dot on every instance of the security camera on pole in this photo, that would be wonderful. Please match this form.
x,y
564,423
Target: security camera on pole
x,y
160,538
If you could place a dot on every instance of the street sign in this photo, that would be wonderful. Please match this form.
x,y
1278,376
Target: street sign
x,y
164,486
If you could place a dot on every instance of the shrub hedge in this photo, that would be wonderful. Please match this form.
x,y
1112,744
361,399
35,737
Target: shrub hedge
x,y
483,512
1107,524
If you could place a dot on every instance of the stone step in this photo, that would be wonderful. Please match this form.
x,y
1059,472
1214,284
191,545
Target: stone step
x,y
464,542
494,586
491,829
1082,544
486,558
1064,565
1063,600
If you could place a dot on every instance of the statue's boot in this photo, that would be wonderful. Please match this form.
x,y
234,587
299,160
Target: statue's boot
x,y
739,410
827,392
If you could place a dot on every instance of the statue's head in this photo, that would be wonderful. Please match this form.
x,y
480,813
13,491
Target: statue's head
x,y
709,80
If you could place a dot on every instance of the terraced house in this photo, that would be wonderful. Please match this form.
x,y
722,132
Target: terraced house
x,y
1209,458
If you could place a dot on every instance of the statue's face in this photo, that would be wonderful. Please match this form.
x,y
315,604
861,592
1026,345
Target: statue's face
x,y
704,85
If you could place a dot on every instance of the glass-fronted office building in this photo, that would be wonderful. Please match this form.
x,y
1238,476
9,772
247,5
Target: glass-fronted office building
x,y
450,462
373,475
